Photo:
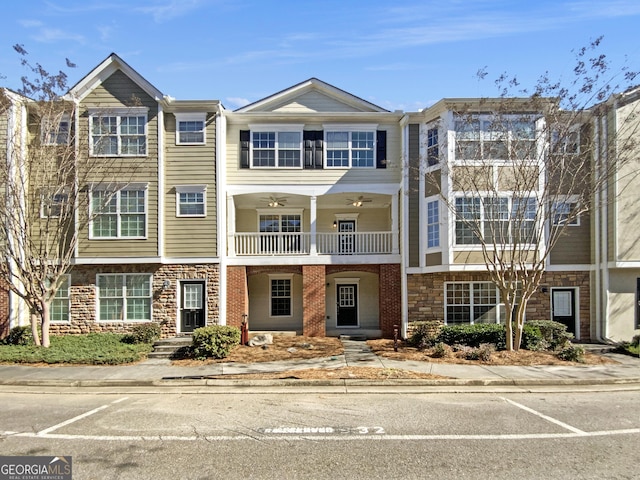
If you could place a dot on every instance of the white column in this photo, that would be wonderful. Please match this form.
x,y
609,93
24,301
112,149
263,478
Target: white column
x,y
395,240
231,226
313,250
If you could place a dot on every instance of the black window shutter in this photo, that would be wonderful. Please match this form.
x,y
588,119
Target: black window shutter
x,y
381,149
312,140
245,141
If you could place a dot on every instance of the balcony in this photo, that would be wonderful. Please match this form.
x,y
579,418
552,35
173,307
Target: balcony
x,y
334,243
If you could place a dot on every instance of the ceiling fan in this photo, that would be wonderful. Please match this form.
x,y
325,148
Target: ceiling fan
x,y
273,201
357,202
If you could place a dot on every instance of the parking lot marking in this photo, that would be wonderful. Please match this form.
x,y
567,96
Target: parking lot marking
x,y
546,417
46,431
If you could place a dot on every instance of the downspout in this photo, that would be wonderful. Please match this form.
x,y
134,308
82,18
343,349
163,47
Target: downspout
x,y
404,215
221,211
604,334
161,177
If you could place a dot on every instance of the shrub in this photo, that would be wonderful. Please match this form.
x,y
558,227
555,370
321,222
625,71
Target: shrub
x,y
19,336
441,350
483,352
571,353
473,335
533,340
424,333
143,333
554,333
214,341
635,341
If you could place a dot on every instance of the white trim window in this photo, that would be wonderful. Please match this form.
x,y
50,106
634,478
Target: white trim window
x,y
433,149
276,146
191,201
433,223
118,134
280,295
118,214
495,220
55,129
190,128
563,212
486,137
350,147
124,297
566,142
472,302
53,205
59,307
280,232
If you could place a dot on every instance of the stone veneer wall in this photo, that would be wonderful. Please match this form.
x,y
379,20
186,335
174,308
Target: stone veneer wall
x,y
164,305
426,301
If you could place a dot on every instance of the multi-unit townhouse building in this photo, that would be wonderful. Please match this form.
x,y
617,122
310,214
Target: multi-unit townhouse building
x,y
314,211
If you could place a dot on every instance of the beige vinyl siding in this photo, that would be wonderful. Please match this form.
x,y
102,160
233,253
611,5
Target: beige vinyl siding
x,y
413,229
312,102
368,301
260,302
190,165
369,219
470,257
574,247
299,176
624,219
118,91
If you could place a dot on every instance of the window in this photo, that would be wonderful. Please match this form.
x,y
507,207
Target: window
x,y
276,148
190,200
284,230
125,297
499,220
433,224
565,142
120,214
119,134
54,205
476,302
55,130
433,153
59,306
488,138
280,297
190,129
564,212
347,149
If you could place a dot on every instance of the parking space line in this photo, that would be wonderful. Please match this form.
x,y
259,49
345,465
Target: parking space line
x,y
545,417
79,417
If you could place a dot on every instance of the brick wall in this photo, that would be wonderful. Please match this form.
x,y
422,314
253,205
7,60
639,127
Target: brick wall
x,y
313,301
164,302
390,293
426,300
4,309
237,295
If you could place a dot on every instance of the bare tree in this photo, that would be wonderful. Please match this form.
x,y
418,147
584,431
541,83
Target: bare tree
x,y
523,170
45,175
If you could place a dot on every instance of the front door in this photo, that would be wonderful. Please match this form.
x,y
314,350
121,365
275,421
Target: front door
x,y
347,296
563,301
191,306
347,229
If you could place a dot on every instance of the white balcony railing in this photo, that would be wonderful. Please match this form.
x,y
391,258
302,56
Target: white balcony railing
x,y
335,243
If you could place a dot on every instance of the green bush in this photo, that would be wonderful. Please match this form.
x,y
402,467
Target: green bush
x,y
474,335
441,350
554,333
19,336
143,333
424,333
214,341
91,349
532,339
571,353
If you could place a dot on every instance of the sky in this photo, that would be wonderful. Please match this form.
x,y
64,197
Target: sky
x,y
398,54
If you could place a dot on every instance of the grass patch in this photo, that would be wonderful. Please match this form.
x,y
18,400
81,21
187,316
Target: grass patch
x,y
91,349
630,349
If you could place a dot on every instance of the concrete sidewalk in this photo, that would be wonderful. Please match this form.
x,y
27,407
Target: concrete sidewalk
x,y
160,373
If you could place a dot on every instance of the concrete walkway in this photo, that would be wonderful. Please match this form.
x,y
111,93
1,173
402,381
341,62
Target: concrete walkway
x,y
161,373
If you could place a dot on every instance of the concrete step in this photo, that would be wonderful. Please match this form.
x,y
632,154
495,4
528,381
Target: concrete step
x,y
167,347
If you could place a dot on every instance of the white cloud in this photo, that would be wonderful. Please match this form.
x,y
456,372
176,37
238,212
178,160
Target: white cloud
x,y
170,9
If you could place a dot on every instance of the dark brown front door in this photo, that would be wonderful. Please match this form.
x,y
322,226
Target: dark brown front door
x,y
192,301
347,296
563,302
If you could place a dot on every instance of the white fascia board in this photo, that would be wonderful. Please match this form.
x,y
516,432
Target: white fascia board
x,y
316,190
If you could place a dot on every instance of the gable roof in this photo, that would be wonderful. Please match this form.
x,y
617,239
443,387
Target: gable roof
x,y
306,88
103,71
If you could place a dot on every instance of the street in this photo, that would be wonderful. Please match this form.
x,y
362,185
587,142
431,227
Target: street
x,y
329,435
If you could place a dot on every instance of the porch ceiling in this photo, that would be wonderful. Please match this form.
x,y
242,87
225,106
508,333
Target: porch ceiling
x,y
329,201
